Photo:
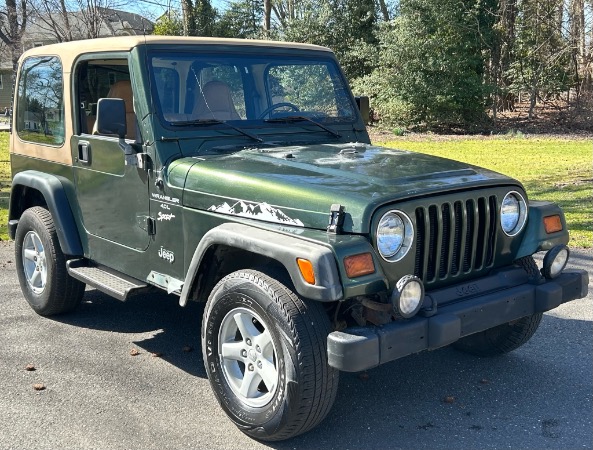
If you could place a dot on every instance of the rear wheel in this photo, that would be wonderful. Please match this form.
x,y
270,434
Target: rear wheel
x,y
41,265
266,358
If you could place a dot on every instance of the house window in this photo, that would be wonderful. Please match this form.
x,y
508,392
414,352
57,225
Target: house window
x,y
40,105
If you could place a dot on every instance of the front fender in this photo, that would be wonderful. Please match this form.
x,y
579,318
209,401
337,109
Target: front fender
x,y
535,237
280,247
54,194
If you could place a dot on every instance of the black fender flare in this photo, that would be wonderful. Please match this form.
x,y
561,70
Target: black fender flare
x,y
56,199
281,247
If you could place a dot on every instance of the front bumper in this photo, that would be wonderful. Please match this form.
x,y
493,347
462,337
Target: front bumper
x,y
361,348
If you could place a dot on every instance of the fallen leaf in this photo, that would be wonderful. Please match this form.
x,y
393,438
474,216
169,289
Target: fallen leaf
x,y
449,399
30,367
134,352
39,386
156,354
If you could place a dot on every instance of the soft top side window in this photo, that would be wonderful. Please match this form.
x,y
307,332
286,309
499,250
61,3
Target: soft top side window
x,y
40,101
103,78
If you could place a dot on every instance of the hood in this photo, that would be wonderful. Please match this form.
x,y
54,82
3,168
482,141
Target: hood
x,y
297,185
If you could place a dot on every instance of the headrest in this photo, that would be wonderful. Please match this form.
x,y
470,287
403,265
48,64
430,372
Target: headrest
x,y
123,89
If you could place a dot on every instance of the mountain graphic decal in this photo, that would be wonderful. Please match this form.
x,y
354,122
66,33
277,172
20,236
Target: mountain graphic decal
x,y
259,211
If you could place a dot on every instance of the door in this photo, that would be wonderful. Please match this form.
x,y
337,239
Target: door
x,y
113,196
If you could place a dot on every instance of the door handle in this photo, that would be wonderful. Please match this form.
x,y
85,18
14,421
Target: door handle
x,y
84,152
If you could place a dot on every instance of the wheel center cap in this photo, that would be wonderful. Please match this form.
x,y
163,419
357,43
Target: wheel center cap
x,y
252,355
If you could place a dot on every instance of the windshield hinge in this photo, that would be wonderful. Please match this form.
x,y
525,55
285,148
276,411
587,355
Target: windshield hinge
x,y
336,219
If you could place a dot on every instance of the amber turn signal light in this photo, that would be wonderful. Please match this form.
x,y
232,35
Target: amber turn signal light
x,y
552,224
307,271
359,265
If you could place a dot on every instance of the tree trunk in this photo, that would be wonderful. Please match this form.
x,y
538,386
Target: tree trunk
x,y
384,10
188,17
267,15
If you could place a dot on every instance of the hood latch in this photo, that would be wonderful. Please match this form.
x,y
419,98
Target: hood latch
x,y
336,219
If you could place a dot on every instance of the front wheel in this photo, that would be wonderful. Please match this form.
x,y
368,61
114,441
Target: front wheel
x,y
265,354
41,265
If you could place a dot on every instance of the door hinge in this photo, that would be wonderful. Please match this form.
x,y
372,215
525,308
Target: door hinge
x,y
151,226
147,223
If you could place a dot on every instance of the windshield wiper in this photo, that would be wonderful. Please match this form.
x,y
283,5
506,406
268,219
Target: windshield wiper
x,y
198,122
297,118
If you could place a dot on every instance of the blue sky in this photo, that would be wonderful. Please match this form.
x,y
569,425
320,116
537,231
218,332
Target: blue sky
x,y
152,9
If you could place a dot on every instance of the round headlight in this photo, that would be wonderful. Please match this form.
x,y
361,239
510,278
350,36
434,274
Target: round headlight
x,y
394,235
513,213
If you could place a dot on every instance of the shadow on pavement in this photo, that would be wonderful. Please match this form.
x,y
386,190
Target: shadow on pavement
x,y
177,337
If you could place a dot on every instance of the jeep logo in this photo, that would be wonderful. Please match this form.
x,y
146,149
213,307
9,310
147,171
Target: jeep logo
x,y
167,255
468,289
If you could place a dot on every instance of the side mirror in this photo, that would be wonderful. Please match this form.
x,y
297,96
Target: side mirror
x,y
111,117
364,107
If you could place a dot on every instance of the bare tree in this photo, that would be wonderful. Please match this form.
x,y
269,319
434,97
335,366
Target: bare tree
x,y
13,21
52,15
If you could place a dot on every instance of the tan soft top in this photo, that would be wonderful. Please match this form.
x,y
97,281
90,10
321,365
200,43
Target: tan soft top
x,y
69,51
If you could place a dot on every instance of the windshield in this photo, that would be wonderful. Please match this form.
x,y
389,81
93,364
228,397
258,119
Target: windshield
x,y
197,88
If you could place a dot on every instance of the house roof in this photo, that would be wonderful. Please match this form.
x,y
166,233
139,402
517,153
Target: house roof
x,y
40,28
110,22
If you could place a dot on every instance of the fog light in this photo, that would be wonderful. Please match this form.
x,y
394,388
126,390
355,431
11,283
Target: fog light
x,y
408,296
555,261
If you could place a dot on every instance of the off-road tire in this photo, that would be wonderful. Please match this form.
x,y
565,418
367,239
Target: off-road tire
x,y
60,293
528,264
501,339
306,385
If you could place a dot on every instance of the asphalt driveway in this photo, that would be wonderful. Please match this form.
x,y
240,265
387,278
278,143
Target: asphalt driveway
x,y
97,395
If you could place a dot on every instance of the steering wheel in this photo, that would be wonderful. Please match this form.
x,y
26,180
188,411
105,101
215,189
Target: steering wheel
x,y
276,106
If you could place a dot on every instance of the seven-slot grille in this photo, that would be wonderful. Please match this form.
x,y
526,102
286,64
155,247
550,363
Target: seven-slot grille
x,y
455,237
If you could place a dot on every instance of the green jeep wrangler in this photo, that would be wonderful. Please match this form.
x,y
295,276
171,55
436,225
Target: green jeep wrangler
x,y
240,173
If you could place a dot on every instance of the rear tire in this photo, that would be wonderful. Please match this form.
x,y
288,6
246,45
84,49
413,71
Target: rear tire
x,y
265,353
41,265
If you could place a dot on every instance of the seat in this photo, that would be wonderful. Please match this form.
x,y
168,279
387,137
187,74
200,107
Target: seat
x,y
214,101
123,89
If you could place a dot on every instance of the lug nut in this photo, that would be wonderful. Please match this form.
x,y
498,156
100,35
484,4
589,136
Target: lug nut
x,y
250,367
259,364
244,353
248,341
258,348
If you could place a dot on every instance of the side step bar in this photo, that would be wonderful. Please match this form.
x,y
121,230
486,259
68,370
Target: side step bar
x,y
107,280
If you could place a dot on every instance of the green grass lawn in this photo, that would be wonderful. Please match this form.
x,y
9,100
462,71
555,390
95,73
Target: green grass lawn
x,y
550,169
